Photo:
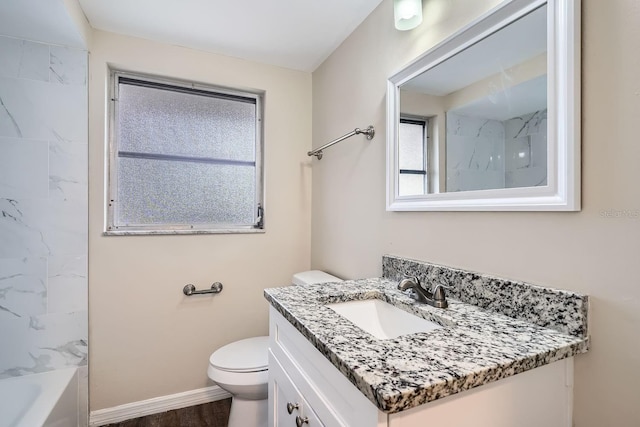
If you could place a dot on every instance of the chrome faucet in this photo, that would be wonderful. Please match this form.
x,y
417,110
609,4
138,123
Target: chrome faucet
x,y
437,298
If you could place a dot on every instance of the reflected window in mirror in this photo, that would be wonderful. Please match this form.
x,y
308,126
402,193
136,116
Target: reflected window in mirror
x,y
412,155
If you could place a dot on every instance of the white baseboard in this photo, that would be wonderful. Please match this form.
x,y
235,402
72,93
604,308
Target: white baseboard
x,y
156,405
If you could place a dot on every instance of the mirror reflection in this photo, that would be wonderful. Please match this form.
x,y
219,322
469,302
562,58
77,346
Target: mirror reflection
x,y
478,120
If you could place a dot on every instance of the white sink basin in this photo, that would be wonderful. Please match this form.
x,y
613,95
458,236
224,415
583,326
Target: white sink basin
x,y
382,320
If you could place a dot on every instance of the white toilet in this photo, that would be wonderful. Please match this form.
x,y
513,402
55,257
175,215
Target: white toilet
x,y
241,368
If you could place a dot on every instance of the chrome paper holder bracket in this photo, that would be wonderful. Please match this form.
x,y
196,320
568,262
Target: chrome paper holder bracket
x,y
369,132
189,289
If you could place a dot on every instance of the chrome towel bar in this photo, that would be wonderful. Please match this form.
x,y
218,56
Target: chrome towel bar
x,y
189,289
370,132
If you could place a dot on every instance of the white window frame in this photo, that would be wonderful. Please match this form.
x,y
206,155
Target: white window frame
x,y
112,228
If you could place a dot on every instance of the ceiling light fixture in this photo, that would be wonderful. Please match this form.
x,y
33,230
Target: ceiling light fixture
x,y
407,14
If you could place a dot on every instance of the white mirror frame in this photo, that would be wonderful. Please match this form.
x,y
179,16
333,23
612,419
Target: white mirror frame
x,y
563,98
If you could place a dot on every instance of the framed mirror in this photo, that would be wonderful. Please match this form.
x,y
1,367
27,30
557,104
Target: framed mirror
x,y
489,119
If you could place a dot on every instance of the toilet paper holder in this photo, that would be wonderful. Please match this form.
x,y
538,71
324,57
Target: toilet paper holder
x,y
190,289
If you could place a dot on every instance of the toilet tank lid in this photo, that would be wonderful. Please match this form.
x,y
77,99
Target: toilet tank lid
x,y
247,355
313,276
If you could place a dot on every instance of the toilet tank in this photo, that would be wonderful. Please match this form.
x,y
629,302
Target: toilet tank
x,y
313,276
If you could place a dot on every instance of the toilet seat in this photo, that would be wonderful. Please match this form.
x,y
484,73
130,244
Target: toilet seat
x,y
232,379
244,356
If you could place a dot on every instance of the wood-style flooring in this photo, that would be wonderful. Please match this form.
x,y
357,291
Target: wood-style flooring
x,y
214,414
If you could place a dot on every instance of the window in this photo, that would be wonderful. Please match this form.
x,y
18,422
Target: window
x,y
412,156
184,158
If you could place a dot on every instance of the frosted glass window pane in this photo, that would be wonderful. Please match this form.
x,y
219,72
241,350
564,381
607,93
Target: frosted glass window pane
x,y
170,192
184,158
153,120
410,184
411,146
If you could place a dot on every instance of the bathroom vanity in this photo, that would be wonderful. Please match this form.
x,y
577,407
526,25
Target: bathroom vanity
x,y
501,356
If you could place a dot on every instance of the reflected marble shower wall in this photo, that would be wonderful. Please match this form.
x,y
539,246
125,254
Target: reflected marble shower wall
x,y
526,150
486,154
475,153
43,207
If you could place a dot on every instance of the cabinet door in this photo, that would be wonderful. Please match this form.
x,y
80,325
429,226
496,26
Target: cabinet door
x,y
286,403
287,407
308,417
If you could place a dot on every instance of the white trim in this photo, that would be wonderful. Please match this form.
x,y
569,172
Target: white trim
x,y
156,405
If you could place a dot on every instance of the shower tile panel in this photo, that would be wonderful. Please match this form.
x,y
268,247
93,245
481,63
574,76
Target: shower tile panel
x,y
475,153
23,287
68,66
41,227
43,207
22,226
43,343
24,168
67,288
66,227
526,150
24,59
41,110
67,170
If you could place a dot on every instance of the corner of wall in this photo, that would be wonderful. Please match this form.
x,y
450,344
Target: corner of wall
x,y
80,21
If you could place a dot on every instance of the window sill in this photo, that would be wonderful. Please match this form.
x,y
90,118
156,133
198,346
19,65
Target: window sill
x,y
182,232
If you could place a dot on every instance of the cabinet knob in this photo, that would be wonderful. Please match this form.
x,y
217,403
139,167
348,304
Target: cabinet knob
x,y
300,421
291,407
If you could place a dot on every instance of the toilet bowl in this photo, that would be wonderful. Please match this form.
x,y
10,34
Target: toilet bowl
x,y
241,368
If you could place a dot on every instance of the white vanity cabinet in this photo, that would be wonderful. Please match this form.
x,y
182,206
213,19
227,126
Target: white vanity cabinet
x,y
301,376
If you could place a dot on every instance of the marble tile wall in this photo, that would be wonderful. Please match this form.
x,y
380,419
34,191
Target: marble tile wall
x,y
43,207
475,153
526,150
485,154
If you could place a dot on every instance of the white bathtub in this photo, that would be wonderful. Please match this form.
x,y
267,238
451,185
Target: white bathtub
x,y
49,399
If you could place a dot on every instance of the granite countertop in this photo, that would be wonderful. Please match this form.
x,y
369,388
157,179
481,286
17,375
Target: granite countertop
x,y
476,346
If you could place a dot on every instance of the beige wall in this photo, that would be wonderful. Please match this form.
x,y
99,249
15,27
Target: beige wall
x,y
146,338
585,251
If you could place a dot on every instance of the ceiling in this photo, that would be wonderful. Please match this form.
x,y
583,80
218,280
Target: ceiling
x,y
297,34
